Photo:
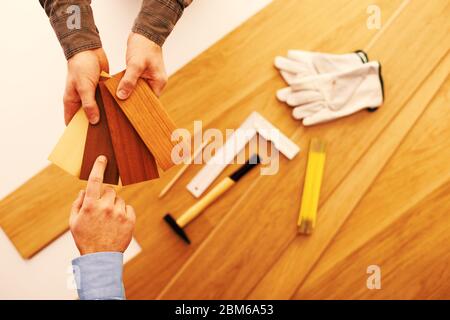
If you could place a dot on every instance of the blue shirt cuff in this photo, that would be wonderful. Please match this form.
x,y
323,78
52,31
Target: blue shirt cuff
x,y
99,276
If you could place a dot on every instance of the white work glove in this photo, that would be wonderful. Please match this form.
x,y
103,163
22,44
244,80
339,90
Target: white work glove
x,y
330,96
300,64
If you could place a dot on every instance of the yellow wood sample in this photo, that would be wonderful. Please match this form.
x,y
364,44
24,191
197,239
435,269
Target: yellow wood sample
x,y
68,152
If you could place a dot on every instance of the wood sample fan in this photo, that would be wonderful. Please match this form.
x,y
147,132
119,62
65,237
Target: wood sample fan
x,y
134,134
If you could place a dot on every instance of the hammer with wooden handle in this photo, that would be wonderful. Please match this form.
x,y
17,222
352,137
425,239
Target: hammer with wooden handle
x,y
194,211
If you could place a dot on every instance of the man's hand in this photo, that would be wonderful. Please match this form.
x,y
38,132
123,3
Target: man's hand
x,y
83,75
101,221
144,60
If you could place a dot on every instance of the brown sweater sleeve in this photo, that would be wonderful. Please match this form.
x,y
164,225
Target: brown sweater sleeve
x,y
158,17
73,37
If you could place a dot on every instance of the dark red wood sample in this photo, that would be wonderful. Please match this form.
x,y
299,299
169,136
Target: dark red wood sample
x,y
134,159
150,119
98,142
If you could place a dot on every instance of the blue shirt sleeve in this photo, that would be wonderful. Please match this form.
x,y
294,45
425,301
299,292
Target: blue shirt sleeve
x,y
99,276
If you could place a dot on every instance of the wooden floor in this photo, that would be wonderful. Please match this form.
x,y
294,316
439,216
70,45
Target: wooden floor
x,y
386,193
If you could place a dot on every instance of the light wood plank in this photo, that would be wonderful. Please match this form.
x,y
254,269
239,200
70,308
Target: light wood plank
x,y
236,243
292,267
256,92
413,254
289,271
37,213
421,164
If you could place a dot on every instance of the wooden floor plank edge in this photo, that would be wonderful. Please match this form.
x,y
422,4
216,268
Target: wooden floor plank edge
x,y
444,60
394,16
378,173
204,243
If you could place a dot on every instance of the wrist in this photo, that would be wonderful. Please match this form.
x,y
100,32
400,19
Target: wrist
x,y
81,47
98,252
95,54
93,250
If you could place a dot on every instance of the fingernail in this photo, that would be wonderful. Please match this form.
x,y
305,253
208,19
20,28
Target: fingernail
x,y
122,94
95,119
102,158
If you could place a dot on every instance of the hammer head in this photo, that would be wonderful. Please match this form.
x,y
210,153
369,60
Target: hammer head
x,y
176,228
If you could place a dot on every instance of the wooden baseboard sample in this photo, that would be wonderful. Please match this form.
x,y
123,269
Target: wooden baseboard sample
x,y
68,152
134,160
149,118
98,142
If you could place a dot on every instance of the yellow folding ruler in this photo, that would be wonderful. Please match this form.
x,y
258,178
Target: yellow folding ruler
x,y
311,189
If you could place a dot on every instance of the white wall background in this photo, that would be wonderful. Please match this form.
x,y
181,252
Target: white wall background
x,y
32,80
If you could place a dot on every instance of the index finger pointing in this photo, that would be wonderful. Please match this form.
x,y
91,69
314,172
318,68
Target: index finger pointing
x,y
95,181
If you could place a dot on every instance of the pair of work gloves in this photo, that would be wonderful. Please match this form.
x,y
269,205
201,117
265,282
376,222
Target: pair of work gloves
x,y
325,87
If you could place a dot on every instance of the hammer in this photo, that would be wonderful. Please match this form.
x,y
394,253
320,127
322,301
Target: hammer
x,y
191,213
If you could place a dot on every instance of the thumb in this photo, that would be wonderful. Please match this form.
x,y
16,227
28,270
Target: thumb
x,y
87,96
128,81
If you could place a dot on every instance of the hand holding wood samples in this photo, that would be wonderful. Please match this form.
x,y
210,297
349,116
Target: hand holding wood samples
x,y
148,117
132,133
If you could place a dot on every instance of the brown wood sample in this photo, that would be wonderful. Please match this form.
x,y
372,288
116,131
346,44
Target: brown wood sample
x,y
98,142
149,118
134,160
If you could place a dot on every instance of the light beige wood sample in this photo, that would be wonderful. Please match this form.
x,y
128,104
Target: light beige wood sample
x,y
68,152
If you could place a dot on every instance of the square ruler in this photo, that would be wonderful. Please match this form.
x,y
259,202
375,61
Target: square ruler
x,y
236,142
